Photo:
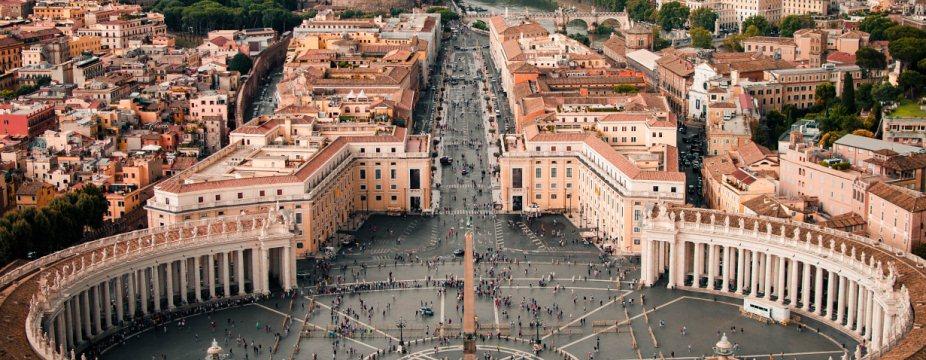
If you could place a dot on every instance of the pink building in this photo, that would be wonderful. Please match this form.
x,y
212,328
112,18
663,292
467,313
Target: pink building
x,y
896,215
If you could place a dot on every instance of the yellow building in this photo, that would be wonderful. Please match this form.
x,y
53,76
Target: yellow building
x,y
10,53
84,44
34,194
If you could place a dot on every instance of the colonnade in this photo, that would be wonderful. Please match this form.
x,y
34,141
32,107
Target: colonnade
x,y
164,285
795,269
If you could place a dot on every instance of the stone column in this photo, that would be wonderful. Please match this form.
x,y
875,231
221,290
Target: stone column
x,y
792,282
869,317
860,309
108,305
184,288
711,265
768,276
886,325
120,300
818,291
780,284
210,274
682,265
851,301
85,311
169,271
197,278
226,273
726,268
740,269
78,320
60,328
143,284
841,301
133,293
754,274
265,270
287,271
830,294
255,270
876,327
698,264
239,266
673,264
760,273
96,308
70,323
156,285
805,287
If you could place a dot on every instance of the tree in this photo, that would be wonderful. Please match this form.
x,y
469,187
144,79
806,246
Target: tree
x,y
481,25
641,10
703,17
626,89
240,63
825,93
870,59
761,24
863,97
903,31
792,23
582,38
735,42
848,93
672,16
875,25
885,92
701,38
908,50
911,83
863,132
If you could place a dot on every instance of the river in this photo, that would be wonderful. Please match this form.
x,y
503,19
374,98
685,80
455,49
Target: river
x,y
540,5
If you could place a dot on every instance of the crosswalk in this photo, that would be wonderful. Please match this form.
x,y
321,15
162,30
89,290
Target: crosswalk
x,y
432,242
499,242
459,186
530,235
464,212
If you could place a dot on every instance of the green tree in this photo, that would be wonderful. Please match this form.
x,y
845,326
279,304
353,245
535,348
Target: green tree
x,y
761,24
703,17
885,92
240,63
908,50
825,93
912,83
792,23
863,98
625,89
848,93
903,31
875,25
701,38
672,16
735,42
481,25
870,59
641,10
582,38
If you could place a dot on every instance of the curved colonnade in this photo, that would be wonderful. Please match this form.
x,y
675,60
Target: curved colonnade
x,y
863,288
88,292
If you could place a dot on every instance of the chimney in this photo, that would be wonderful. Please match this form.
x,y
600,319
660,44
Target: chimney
x,y
734,77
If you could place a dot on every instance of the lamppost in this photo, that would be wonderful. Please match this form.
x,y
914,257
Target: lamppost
x,y
401,325
537,344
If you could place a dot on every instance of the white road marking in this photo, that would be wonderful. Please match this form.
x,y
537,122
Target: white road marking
x,y
609,328
368,326
586,315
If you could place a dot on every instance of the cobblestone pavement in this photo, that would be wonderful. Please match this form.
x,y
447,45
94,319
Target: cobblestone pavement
x,y
586,304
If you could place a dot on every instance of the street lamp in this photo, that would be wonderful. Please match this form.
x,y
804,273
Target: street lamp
x,y
401,325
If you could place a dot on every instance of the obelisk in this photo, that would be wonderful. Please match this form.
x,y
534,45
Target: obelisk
x,y
469,300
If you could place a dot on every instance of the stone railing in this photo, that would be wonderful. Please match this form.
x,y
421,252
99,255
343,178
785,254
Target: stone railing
x,y
86,260
846,249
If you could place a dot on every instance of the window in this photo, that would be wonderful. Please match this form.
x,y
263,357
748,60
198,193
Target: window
x,y
414,179
261,193
363,174
379,198
568,172
218,197
553,172
240,195
279,192
394,198
655,188
392,173
377,174
516,178
538,173
200,199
